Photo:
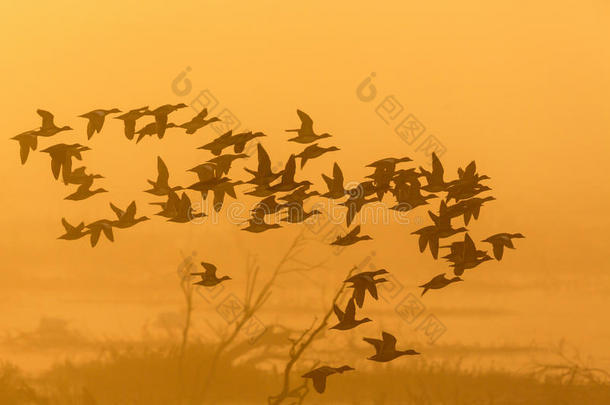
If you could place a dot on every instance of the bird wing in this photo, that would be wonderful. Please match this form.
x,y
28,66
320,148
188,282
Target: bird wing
x,y
470,251
306,121
498,250
119,213
130,212
353,232
209,268
378,344
66,225
47,119
338,312
264,162
389,341
437,167
289,170
319,382
163,173
350,309
338,175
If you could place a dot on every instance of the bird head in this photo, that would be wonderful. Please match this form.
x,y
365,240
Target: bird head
x,y
114,110
324,135
457,279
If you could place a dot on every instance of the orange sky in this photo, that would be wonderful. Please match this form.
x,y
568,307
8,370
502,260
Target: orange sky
x,y
520,88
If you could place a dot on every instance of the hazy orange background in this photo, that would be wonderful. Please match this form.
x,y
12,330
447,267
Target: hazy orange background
x,y
521,88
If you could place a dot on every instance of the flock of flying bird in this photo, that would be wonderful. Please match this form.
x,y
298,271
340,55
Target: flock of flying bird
x,y
280,193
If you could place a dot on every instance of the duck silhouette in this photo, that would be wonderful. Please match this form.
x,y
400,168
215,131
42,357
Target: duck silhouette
x,y
73,232
217,145
224,162
347,319
354,204
320,374
263,175
257,224
27,141
206,171
266,206
222,189
161,186
199,121
48,127
464,255
435,182
129,120
96,228
161,113
334,184
84,190
501,240
96,120
208,277
80,176
152,129
127,218
437,282
469,209
61,158
363,282
287,182
299,195
240,140
351,237
385,348
204,187
306,134
314,151
296,213
169,208
185,212
408,196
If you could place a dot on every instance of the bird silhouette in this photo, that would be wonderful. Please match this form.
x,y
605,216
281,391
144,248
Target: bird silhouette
x,y
208,277
84,190
161,186
48,127
161,113
287,182
334,184
169,208
199,121
129,120
223,162
96,228
73,232
217,145
306,134
501,240
127,218
365,281
385,348
96,120
185,212
437,282
464,255
152,129
240,140
347,319
313,151
350,238
320,374
263,175
257,224
80,176
27,141
61,158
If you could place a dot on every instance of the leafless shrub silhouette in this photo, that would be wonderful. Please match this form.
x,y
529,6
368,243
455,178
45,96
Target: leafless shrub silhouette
x,y
299,345
569,369
254,301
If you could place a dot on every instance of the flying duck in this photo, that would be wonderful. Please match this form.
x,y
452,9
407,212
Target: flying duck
x,y
161,186
347,319
350,238
305,134
73,232
208,277
437,282
500,240
385,348
198,122
319,375
363,282
129,120
313,151
96,120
